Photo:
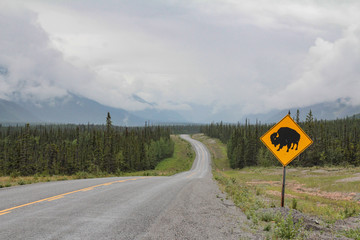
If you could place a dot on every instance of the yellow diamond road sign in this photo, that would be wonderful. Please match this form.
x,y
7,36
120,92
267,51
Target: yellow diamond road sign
x,y
286,140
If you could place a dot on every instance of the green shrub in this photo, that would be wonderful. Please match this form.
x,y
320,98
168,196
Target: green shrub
x,y
349,213
21,182
15,174
286,229
266,216
82,175
267,228
353,233
64,178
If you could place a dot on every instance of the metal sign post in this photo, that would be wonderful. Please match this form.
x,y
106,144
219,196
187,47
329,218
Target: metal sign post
x,y
283,187
286,140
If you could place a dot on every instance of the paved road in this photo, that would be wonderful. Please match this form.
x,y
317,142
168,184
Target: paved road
x,y
118,208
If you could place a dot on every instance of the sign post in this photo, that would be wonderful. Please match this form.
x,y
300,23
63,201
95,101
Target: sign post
x,y
283,187
286,140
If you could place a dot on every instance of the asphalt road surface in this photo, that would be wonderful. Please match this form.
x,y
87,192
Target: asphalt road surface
x,y
184,206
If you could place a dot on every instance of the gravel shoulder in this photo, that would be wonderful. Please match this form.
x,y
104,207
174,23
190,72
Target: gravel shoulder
x,y
201,211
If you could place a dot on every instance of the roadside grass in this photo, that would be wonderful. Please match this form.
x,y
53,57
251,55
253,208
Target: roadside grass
x,y
330,193
217,151
181,160
353,233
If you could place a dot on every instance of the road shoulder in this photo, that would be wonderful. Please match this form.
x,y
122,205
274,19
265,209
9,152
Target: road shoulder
x,y
201,211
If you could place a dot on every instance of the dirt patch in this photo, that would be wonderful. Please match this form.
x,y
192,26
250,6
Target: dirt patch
x,y
320,171
299,188
280,171
356,178
348,223
278,194
272,183
328,195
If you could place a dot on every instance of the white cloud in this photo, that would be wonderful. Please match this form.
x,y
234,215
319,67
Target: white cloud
x,y
330,71
241,56
27,57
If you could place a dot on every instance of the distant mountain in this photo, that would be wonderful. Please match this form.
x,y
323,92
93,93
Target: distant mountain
x,y
160,116
154,115
340,108
80,110
11,112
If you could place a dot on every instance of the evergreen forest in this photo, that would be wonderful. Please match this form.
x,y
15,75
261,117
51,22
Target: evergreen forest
x,y
335,142
69,149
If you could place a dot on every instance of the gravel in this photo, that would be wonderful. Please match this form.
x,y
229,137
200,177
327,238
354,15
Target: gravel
x,y
201,212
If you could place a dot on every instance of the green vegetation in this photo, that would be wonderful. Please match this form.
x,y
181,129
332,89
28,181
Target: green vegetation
x,y
353,233
287,229
336,143
330,193
181,160
82,149
264,184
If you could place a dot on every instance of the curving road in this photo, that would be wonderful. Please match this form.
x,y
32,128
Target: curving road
x,y
183,206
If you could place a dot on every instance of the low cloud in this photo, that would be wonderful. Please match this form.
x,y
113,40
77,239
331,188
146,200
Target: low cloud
x,y
330,71
34,69
233,58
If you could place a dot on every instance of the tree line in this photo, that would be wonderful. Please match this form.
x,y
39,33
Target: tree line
x,y
335,142
68,149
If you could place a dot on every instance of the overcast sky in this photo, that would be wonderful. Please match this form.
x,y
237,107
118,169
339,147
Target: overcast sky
x,y
232,56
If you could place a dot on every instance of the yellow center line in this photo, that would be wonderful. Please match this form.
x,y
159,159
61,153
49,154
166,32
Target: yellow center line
x,y
55,198
192,174
8,210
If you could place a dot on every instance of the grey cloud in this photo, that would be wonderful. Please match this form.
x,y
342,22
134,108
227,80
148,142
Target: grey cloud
x,y
33,69
233,57
330,71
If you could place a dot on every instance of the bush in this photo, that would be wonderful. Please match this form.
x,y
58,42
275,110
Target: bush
x,y
349,213
82,175
267,228
286,229
21,182
15,174
353,233
266,216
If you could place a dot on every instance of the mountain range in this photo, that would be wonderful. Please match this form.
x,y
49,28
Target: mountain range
x,y
340,108
80,110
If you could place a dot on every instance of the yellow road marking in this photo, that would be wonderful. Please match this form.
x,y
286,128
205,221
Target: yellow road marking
x,y
192,174
87,189
55,198
49,199
107,184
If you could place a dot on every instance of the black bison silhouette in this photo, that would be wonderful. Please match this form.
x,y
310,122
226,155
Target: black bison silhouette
x,y
285,136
